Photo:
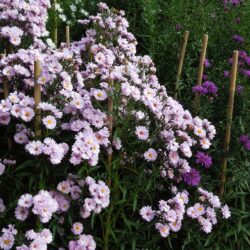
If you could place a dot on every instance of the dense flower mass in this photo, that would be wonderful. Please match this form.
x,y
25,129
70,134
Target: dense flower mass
x,y
89,92
206,88
22,19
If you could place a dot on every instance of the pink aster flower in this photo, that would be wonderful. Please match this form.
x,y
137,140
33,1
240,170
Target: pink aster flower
x,y
206,225
27,114
77,228
163,229
34,147
225,212
150,155
147,213
64,187
21,138
99,94
49,122
26,200
21,213
7,241
142,133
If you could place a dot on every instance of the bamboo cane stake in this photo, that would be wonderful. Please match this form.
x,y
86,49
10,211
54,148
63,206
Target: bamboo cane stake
x,y
37,96
55,31
181,61
230,107
5,82
201,70
5,87
67,36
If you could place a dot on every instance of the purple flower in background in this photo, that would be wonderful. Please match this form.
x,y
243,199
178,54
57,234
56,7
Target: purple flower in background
x,y
207,87
247,60
245,140
178,26
198,89
207,63
238,38
192,178
237,20
226,73
242,54
203,159
204,77
210,87
239,89
246,72
247,145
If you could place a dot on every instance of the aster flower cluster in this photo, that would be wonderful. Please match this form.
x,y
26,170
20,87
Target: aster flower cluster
x,y
7,238
55,151
206,88
87,146
85,242
74,187
43,205
169,215
77,84
244,63
38,240
135,76
17,105
19,19
205,212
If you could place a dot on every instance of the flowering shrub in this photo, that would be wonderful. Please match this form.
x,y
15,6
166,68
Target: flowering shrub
x,y
101,104
23,19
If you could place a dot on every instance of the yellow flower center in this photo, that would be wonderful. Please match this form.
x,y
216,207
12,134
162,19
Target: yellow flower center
x,y
6,242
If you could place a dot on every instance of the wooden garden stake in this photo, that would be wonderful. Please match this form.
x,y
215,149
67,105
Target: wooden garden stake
x,y
200,71
67,36
37,96
230,107
55,31
181,60
5,83
5,87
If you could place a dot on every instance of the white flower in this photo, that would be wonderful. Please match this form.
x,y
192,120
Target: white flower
x,y
26,200
27,114
49,122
